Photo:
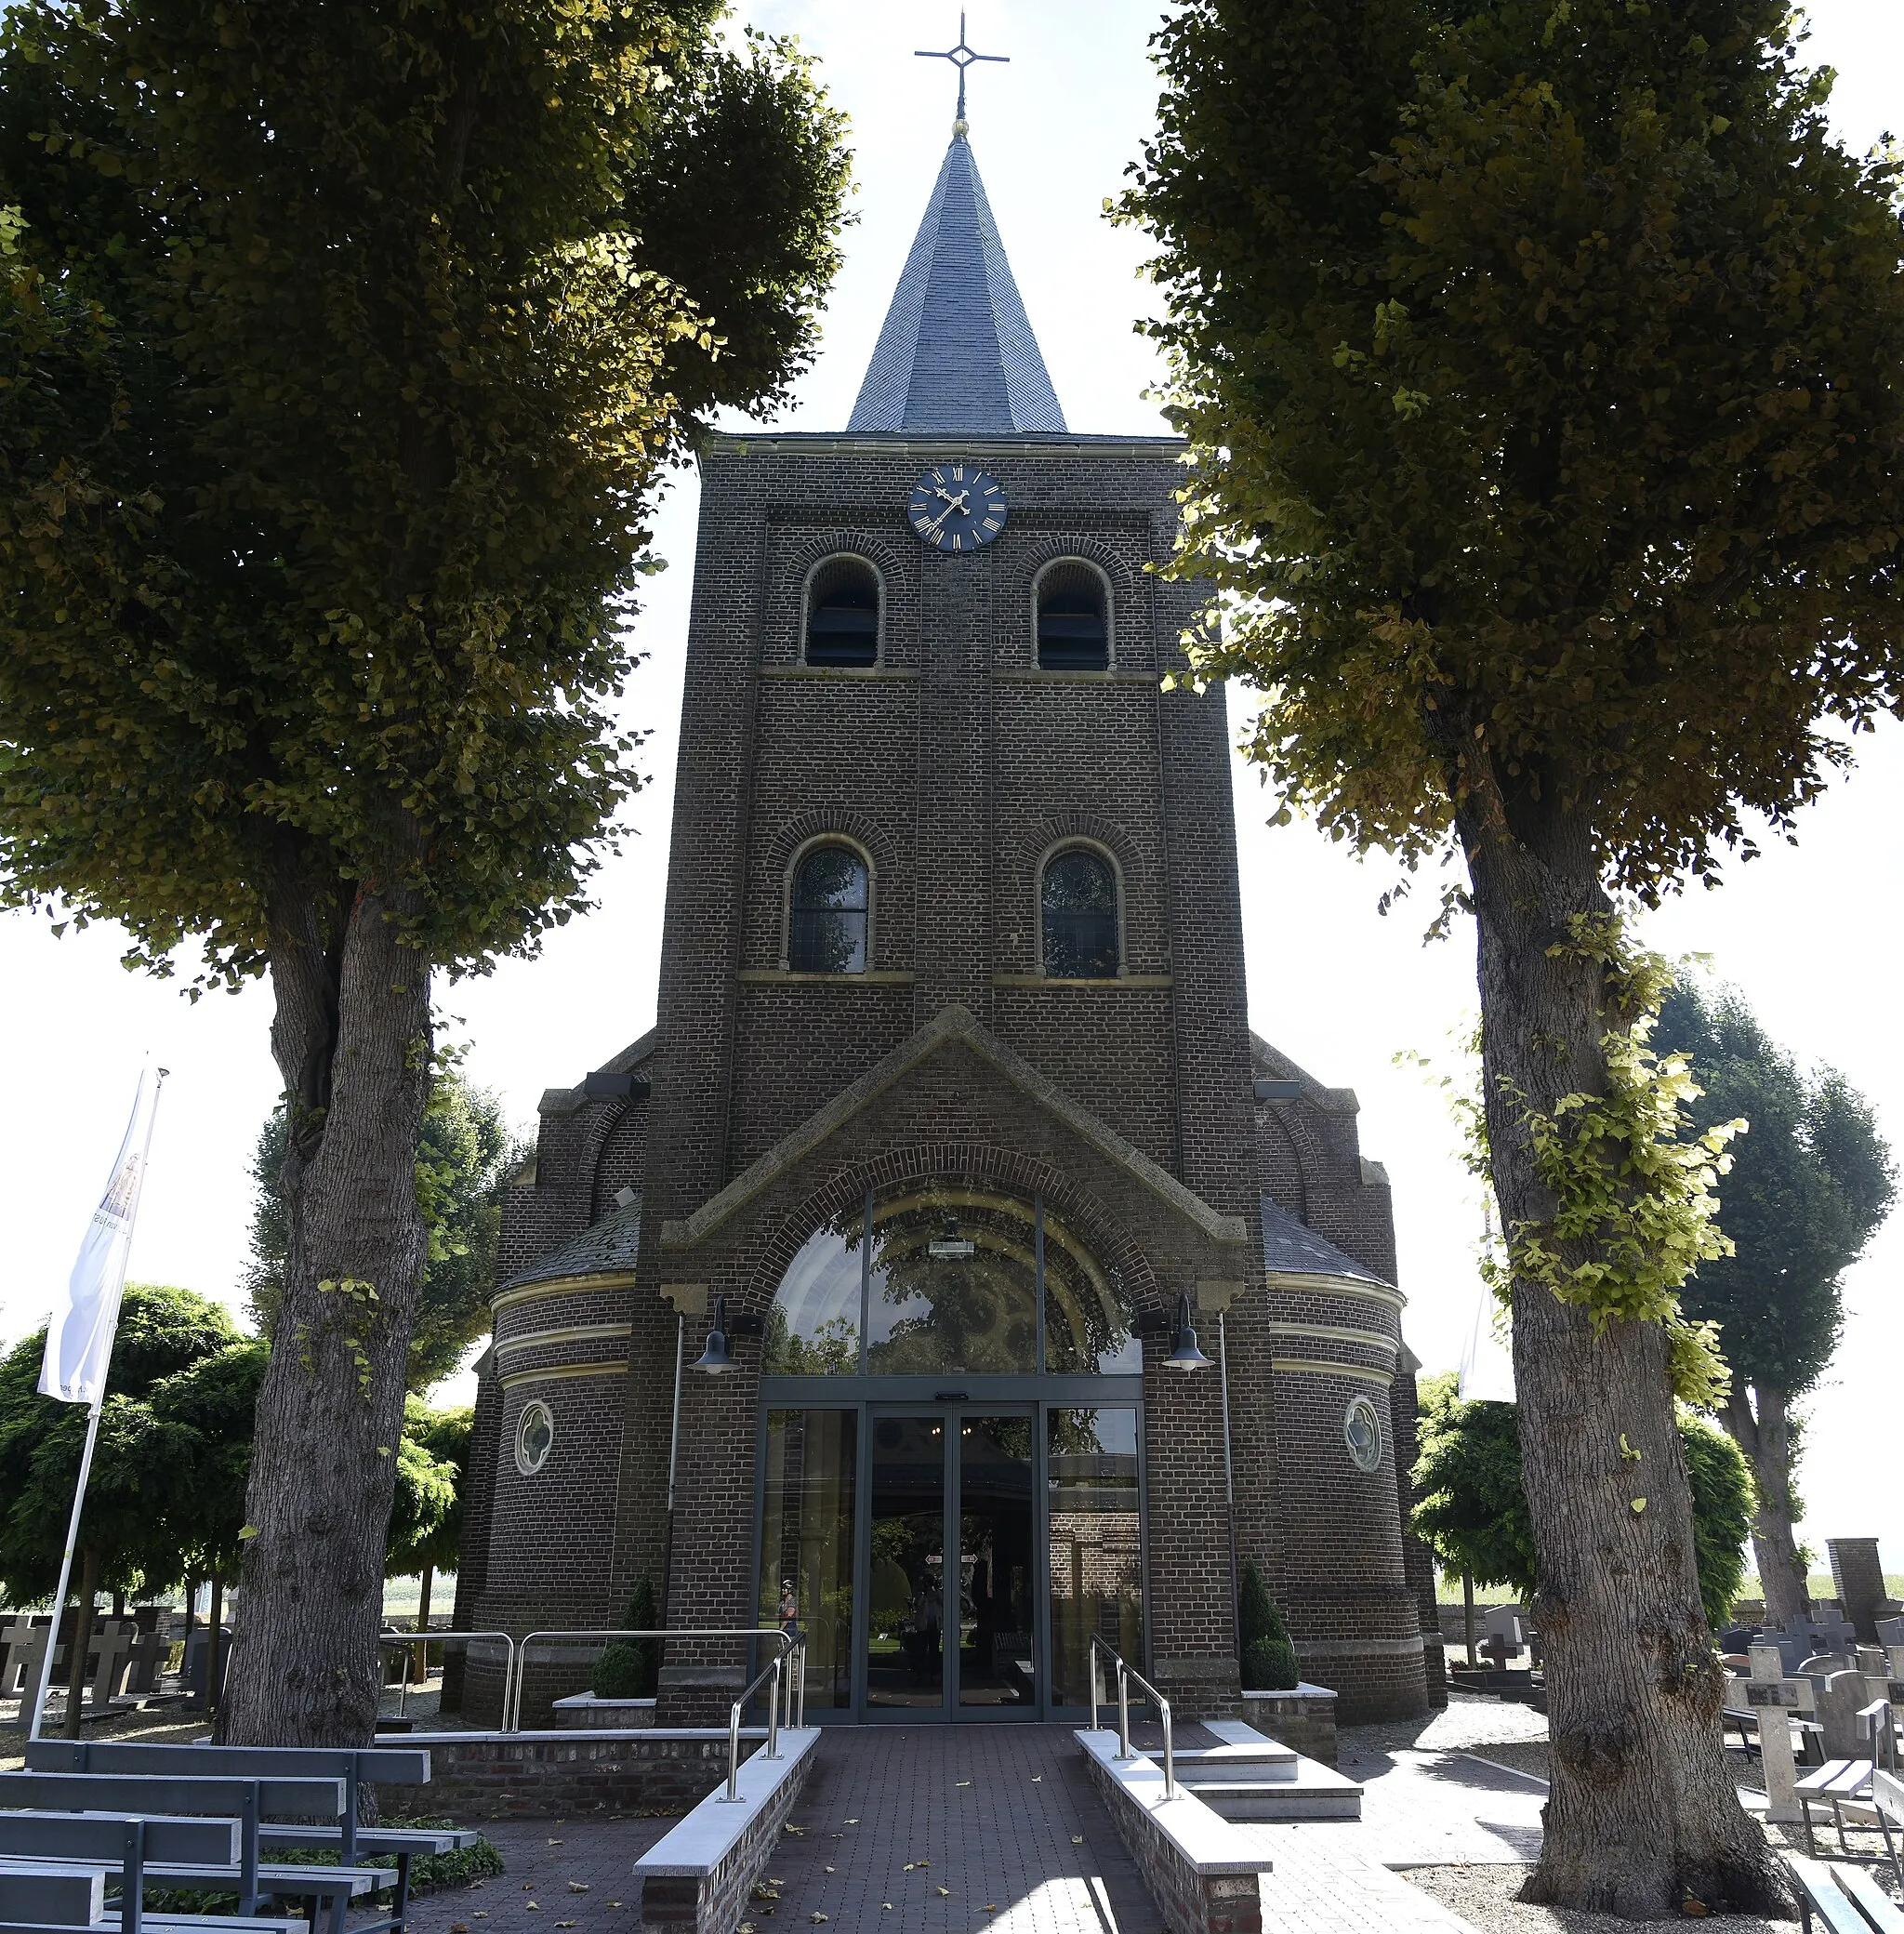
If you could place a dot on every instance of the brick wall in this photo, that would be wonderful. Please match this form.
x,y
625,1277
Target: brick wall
x,y
1191,1902
543,1778
715,1902
956,765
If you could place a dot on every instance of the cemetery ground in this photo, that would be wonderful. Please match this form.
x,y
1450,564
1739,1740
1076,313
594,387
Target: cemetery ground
x,y
1018,1842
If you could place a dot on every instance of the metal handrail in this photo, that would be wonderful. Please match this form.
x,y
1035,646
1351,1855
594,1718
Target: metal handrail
x,y
772,1750
512,1716
1126,1673
435,1637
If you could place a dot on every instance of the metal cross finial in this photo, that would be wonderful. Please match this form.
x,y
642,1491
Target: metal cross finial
x,y
962,56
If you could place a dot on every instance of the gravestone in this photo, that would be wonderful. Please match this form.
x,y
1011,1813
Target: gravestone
x,y
149,1651
1860,1581
107,1660
1775,1698
1502,1625
26,1648
194,1666
1840,1699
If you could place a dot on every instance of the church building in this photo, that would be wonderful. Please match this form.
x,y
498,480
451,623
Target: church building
x,y
951,1268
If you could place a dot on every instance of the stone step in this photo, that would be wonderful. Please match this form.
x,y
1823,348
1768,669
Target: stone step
x,y
1233,1763
1316,1792
1242,1752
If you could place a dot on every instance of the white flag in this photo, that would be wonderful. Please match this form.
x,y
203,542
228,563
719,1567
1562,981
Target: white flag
x,y
79,1336
1487,1366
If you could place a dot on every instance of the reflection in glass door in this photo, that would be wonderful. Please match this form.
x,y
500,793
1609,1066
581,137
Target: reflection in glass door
x,y
978,1548
906,1601
1094,1537
812,1460
998,1596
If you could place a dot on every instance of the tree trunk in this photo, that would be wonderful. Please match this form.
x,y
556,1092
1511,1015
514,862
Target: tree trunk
x,y
82,1637
214,1633
351,1040
1642,1812
1767,1441
1468,1612
423,1624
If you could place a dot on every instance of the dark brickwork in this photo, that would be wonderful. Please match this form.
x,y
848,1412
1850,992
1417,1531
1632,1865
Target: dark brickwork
x,y
955,766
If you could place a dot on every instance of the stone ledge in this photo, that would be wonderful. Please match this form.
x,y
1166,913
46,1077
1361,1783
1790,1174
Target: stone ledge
x,y
700,1873
1200,1870
1303,1716
585,1709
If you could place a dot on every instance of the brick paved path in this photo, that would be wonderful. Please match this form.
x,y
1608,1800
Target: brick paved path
x,y
999,1822
1002,1818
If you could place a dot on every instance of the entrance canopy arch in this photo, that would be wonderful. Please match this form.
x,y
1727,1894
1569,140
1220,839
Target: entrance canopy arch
x,y
950,1433
951,1275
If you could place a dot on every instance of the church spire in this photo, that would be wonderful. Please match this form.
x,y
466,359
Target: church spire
x,y
957,352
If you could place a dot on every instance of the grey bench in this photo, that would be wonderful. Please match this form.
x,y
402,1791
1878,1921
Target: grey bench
x,y
1846,1898
242,1801
55,1893
357,1767
177,1851
1842,1781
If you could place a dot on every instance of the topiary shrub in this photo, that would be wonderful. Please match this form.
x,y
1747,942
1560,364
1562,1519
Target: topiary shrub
x,y
631,1669
1269,1658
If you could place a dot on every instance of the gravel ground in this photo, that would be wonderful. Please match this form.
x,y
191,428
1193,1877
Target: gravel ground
x,y
1485,1897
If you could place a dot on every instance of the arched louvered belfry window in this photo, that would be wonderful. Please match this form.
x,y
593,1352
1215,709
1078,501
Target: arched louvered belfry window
x,y
1074,617
843,614
1077,910
827,920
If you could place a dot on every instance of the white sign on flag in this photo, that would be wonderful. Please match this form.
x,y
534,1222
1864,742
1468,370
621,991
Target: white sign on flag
x,y
79,1336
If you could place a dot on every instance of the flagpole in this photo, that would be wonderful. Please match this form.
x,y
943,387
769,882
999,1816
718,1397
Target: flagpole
x,y
85,1461
86,1465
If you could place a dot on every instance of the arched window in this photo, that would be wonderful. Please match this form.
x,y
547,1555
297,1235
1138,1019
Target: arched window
x,y
827,923
1073,618
949,1276
843,615
1077,905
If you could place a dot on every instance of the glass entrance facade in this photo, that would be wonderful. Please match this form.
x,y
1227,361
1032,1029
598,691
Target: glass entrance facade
x,y
950,1552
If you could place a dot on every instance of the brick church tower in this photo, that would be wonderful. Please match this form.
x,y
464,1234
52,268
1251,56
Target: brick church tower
x,y
1046,1293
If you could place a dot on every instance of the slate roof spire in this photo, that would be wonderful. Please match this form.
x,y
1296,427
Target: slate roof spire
x,y
957,352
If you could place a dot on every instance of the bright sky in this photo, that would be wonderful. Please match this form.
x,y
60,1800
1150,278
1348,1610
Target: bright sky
x,y
1809,935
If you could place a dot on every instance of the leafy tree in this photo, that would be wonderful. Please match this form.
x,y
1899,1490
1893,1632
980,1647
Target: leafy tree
x,y
132,1533
206,1419
427,1525
1538,365
1811,1181
344,349
162,1334
463,1158
1473,1514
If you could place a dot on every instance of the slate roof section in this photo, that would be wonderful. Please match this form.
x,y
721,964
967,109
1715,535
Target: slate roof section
x,y
606,1247
1292,1248
957,353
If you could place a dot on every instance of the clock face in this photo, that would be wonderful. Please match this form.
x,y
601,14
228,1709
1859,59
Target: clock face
x,y
957,507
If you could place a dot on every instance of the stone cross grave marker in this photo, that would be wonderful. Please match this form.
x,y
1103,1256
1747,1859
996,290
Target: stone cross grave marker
x,y
1775,1698
26,1642
110,1655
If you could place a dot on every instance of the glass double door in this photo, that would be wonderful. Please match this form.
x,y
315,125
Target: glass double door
x,y
952,1560
951,1601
